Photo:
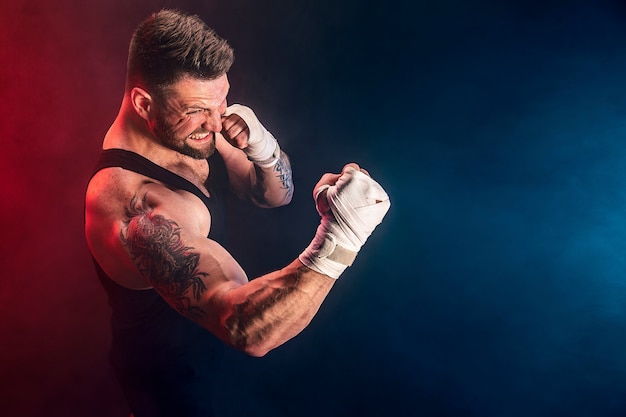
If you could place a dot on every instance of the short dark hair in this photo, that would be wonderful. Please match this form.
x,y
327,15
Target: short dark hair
x,y
169,45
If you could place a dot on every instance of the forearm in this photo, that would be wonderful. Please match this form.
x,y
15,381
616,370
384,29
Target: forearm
x,y
268,311
273,186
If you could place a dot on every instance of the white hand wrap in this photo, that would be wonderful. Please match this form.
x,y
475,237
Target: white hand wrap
x,y
357,204
262,149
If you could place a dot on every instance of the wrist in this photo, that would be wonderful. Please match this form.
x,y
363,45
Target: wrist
x,y
327,254
262,159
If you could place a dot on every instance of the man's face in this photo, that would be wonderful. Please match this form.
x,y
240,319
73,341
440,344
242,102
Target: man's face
x,y
190,115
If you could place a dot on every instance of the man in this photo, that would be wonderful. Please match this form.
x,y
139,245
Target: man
x,y
153,222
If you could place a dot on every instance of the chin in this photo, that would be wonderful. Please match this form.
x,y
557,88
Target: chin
x,y
198,153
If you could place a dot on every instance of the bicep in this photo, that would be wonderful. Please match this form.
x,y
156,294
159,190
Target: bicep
x,y
172,252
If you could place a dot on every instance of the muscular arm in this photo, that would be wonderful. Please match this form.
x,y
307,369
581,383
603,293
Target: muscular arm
x,y
146,235
204,283
265,187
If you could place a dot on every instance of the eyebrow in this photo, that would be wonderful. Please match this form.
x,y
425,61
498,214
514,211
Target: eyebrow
x,y
188,109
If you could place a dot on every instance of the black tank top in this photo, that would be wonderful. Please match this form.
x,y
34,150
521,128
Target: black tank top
x,y
164,362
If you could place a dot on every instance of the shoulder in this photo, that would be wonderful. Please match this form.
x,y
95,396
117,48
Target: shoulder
x,y
111,192
118,201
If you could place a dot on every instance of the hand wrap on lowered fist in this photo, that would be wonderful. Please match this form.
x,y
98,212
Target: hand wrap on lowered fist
x,y
351,208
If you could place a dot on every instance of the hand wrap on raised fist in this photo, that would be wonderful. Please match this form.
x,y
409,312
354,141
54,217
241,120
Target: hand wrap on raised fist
x,y
357,205
262,149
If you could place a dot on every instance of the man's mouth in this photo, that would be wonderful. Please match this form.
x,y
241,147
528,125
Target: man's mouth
x,y
199,136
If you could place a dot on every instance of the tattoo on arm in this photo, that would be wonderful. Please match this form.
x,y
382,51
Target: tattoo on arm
x,y
282,171
155,244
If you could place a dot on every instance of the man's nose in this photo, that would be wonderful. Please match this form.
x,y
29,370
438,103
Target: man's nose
x,y
213,122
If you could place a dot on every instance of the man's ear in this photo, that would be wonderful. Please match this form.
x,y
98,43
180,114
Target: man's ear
x,y
142,102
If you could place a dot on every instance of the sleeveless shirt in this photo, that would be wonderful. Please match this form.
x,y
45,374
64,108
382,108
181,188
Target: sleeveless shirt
x,y
164,362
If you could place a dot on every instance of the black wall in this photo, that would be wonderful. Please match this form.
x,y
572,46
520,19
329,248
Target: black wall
x,y
494,287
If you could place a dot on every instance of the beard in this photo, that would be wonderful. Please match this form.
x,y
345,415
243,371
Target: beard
x,y
165,135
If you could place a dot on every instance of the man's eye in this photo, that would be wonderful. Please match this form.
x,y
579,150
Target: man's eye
x,y
192,112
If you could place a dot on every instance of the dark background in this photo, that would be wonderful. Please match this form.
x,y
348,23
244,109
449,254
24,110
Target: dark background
x,y
496,285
